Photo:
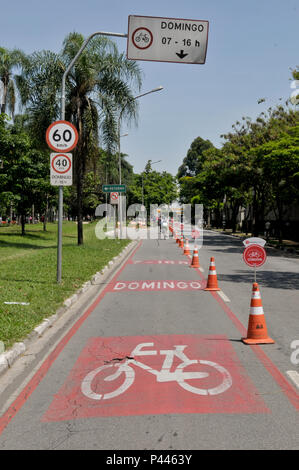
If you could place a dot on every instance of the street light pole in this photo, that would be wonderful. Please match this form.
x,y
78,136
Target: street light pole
x,y
142,186
119,169
62,114
159,88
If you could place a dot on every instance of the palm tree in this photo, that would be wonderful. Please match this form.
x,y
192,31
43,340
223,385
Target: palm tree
x,y
97,87
9,60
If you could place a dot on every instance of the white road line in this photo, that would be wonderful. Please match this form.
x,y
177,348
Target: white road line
x,y
223,296
200,268
294,376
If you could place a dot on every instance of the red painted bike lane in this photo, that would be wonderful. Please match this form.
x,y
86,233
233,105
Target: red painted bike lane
x,y
135,375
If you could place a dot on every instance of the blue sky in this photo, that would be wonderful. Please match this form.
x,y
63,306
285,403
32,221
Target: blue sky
x,y
252,45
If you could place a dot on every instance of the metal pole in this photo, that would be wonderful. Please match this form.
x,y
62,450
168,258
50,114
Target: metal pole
x,y
159,88
142,202
60,197
119,194
59,243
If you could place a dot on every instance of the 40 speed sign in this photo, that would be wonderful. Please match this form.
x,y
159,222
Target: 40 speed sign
x,y
62,136
61,171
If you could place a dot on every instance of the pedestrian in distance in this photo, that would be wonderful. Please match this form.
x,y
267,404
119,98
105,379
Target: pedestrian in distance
x,y
164,228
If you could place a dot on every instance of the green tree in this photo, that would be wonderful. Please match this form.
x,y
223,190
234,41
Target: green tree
x,y
193,161
249,182
97,85
153,187
24,172
9,61
279,164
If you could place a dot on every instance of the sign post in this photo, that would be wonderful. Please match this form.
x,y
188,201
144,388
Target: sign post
x,y
61,136
63,82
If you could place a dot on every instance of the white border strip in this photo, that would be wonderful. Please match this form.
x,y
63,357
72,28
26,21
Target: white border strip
x,y
223,296
294,376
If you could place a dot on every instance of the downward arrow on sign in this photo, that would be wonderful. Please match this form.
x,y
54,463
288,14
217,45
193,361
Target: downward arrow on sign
x,y
181,55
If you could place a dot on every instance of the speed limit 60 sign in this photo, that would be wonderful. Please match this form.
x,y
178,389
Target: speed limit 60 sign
x,y
61,169
62,136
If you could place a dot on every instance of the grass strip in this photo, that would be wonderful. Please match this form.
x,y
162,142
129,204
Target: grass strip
x,y
28,272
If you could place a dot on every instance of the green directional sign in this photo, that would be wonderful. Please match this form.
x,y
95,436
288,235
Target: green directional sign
x,y
114,188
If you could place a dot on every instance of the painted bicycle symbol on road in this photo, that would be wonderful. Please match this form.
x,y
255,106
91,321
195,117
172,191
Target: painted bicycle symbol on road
x,y
126,370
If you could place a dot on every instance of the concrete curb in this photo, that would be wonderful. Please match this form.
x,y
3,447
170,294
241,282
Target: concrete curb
x,y
18,349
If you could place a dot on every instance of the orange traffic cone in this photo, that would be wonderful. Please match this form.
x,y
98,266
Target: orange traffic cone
x,y
257,329
177,240
212,277
181,244
195,259
186,248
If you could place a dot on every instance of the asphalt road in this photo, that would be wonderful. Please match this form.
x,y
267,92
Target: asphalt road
x,y
156,362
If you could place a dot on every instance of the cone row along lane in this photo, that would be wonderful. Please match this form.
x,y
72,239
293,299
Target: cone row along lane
x,y
162,358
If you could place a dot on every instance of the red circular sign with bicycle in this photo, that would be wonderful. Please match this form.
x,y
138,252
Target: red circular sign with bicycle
x,y
254,256
142,38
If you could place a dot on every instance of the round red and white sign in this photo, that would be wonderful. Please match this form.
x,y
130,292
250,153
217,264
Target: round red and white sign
x,y
61,163
254,256
62,136
142,38
114,197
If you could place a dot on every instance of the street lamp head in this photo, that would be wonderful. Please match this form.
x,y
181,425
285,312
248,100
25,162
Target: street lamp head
x,y
158,88
148,92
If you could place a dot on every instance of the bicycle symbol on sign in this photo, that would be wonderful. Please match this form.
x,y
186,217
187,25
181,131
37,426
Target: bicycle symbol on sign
x,y
142,37
179,375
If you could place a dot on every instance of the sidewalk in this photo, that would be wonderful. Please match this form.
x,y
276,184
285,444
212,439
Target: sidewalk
x,y
289,246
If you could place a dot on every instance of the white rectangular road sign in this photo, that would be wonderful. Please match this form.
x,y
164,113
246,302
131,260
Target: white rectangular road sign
x,y
61,169
167,39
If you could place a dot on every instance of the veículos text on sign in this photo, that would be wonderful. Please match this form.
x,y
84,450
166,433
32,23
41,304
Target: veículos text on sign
x,y
61,169
167,39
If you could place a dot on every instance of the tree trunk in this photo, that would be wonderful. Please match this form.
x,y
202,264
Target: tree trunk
x,y
46,215
255,221
79,184
79,210
280,222
23,220
4,95
79,154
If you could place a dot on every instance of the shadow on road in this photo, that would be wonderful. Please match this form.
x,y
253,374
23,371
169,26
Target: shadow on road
x,y
235,245
277,279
